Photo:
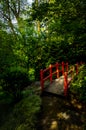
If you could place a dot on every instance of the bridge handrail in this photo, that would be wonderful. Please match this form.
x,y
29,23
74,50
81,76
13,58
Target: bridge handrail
x,y
59,67
73,71
63,69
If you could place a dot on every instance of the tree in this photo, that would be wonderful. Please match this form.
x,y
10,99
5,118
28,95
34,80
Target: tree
x,y
64,22
7,57
12,10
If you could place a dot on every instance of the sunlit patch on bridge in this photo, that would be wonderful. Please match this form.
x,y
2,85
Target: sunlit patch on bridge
x,y
63,73
57,86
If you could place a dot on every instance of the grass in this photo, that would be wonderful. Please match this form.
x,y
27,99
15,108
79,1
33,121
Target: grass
x,y
19,116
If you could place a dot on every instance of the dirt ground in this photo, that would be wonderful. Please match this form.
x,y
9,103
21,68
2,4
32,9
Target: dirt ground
x,y
59,113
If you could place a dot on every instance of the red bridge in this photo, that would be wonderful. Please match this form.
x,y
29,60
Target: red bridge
x,y
57,78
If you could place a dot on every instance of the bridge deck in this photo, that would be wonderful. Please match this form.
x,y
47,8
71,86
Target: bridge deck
x,y
57,86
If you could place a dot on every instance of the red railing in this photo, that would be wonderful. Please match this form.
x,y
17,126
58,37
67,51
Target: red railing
x,y
58,69
73,71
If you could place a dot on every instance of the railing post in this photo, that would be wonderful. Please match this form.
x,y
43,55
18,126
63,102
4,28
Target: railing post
x,y
50,73
57,69
41,79
65,84
63,68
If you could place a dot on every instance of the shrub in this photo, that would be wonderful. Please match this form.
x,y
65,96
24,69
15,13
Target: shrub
x,y
26,112
14,80
23,115
78,85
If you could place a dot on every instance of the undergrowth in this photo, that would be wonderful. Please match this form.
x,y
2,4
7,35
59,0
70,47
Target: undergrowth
x,y
22,115
78,85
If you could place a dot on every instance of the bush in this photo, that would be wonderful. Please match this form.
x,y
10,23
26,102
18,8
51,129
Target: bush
x,y
26,112
14,80
23,115
78,85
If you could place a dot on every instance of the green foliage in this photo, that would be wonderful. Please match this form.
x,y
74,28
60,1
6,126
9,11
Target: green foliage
x,y
39,12
31,74
23,115
61,37
14,80
5,98
7,57
78,85
24,52
29,106
64,30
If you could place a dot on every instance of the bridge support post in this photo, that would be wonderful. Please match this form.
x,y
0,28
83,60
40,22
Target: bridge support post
x,y
41,79
51,73
65,84
57,70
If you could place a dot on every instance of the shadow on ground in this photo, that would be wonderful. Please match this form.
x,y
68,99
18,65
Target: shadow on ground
x,y
61,114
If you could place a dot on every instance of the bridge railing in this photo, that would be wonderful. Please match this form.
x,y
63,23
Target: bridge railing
x,y
56,69
73,71
59,69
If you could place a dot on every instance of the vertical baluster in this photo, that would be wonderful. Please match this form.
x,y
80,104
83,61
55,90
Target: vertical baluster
x,y
65,84
51,73
57,69
62,68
